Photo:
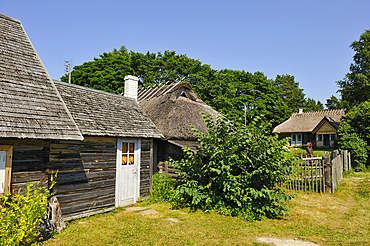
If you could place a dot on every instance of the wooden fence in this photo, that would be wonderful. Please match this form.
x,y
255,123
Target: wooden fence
x,y
164,167
318,174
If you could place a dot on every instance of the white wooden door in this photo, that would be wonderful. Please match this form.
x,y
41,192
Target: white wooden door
x,y
2,171
127,171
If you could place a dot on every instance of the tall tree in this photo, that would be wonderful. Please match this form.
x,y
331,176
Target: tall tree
x,y
229,92
311,105
355,87
105,73
251,95
334,103
354,134
109,70
291,94
158,68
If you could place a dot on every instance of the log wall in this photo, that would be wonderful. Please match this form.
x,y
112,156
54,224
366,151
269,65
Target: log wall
x,y
165,151
146,167
86,175
29,162
86,171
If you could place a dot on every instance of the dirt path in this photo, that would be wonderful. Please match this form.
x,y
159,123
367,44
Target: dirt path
x,y
284,241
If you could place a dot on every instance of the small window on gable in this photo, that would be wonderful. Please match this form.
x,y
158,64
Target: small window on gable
x,y
182,93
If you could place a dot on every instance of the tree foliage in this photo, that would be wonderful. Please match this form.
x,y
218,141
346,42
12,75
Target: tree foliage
x,y
241,96
234,171
354,134
291,94
355,87
105,73
227,91
334,103
311,105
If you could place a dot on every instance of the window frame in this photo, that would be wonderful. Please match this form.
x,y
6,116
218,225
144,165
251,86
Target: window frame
x,y
8,168
294,139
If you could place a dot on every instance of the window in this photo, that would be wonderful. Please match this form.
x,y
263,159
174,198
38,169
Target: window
x,y
319,137
5,168
296,139
128,153
333,137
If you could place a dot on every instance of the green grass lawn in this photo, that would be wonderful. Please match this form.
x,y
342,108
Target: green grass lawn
x,y
342,218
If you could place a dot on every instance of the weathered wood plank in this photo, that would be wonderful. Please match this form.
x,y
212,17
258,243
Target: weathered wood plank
x,y
86,175
76,187
23,166
83,164
84,147
23,177
23,186
77,157
103,201
82,214
84,195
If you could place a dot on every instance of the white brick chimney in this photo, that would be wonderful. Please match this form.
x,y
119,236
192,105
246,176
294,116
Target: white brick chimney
x,y
131,86
299,112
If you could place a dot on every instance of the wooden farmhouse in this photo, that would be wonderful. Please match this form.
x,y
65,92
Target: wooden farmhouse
x,y
320,128
173,108
101,144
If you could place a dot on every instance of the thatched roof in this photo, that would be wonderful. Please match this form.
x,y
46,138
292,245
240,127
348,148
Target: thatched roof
x,y
308,121
99,113
173,108
31,107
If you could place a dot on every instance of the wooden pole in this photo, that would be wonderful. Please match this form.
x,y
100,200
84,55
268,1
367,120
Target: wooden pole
x,y
345,160
316,183
349,161
327,172
301,178
305,177
312,176
69,72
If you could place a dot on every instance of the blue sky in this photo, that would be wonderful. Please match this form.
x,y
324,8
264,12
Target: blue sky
x,y
307,39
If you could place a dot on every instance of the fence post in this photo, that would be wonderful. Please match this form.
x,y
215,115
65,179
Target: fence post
x,y
345,160
349,161
327,172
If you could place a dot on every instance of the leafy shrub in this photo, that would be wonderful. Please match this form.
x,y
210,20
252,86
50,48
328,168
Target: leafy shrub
x,y
354,135
234,171
21,215
357,147
163,188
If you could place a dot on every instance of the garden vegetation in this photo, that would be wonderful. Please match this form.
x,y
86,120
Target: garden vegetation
x,y
235,172
21,214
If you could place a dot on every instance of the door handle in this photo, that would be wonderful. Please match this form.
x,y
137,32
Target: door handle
x,y
134,172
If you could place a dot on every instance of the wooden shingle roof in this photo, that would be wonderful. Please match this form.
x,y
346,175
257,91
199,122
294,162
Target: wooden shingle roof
x,y
30,105
173,108
99,113
307,121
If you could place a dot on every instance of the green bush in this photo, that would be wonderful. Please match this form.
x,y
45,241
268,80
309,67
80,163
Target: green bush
x,y
357,147
234,171
21,215
354,135
163,188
